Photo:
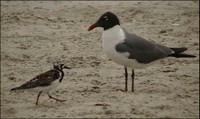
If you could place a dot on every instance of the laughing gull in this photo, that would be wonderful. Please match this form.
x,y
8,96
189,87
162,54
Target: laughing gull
x,y
45,82
129,49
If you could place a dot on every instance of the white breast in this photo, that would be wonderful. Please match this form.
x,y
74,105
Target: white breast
x,y
110,38
46,89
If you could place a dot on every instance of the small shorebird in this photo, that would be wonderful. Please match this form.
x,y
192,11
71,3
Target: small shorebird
x,y
45,82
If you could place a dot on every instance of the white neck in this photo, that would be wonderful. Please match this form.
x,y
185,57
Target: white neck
x,y
112,36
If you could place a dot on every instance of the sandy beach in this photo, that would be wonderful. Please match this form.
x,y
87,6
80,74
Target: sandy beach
x,y
35,34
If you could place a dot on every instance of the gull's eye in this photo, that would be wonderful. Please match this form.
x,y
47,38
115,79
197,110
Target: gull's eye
x,y
105,18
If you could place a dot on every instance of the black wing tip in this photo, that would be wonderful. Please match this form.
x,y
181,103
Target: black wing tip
x,y
179,50
178,53
182,56
192,56
184,48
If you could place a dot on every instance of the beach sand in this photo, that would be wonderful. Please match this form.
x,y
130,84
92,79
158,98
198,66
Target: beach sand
x,y
35,34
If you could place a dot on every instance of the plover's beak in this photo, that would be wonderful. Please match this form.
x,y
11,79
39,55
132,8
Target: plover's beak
x,y
93,26
65,67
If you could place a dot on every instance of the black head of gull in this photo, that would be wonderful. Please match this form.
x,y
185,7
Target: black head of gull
x,y
106,21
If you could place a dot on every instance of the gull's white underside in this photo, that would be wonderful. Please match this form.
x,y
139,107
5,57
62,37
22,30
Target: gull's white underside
x,y
110,38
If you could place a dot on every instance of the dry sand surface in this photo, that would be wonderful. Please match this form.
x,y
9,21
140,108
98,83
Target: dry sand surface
x,y
36,34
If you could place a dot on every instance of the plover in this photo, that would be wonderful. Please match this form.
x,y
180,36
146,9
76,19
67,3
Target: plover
x,y
131,50
45,82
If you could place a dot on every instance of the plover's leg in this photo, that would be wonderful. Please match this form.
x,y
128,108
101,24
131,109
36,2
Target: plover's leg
x,y
55,98
126,79
133,75
38,97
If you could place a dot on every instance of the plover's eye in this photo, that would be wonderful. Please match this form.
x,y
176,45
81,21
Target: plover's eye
x,y
105,18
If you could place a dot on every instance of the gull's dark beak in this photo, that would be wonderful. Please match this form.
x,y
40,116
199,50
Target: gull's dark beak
x,y
93,26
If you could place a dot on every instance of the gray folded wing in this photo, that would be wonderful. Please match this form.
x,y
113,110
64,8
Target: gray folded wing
x,y
142,50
